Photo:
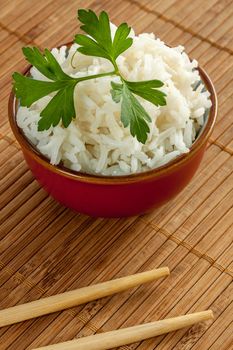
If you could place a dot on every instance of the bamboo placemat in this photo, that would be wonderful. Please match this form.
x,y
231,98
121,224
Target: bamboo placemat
x,y
46,249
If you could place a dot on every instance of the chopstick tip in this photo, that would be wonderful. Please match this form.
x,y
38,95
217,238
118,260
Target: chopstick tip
x,y
206,315
211,314
166,271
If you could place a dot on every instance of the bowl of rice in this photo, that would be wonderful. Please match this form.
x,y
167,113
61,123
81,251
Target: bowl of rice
x,y
95,166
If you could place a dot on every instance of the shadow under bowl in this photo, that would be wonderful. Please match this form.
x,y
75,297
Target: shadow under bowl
x,y
116,196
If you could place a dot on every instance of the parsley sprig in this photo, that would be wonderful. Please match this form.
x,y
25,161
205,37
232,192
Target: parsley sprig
x,y
99,43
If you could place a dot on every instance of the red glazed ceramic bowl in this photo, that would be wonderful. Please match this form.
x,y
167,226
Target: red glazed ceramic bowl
x,y
116,196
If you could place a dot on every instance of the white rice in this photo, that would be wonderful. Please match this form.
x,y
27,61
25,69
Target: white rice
x,y
96,141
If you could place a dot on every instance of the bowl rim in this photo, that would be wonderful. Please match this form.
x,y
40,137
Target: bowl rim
x,y
103,179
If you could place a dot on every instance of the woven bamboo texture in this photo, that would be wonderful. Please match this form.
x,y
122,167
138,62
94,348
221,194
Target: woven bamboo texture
x,y
45,248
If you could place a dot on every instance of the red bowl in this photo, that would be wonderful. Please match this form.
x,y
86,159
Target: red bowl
x,y
116,196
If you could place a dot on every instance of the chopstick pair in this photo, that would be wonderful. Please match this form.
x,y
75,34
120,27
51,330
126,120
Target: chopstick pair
x,y
107,340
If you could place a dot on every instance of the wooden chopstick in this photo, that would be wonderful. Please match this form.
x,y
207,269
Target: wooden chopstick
x,y
76,297
130,335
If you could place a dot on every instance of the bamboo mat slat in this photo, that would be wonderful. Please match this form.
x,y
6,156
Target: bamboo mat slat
x,y
3,35
186,13
47,249
226,138
17,14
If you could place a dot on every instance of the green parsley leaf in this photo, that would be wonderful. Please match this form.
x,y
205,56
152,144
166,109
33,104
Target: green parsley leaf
x,y
97,28
90,48
121,42
60,107
116,91
132,112
146,90
99,43
45,63
28,90
146,84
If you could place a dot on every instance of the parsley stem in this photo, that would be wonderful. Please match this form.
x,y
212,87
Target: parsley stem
x,y
72,59
115,66
94,76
